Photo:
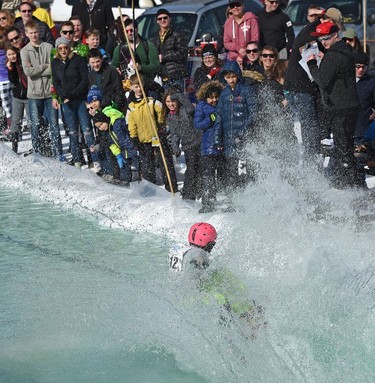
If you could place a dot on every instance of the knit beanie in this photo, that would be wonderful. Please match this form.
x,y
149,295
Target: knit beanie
x,y
94,94
209,50
100,117
61,40
361,58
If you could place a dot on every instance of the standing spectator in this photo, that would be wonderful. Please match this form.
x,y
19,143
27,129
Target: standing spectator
x,y
36,63
26,11
336,79
70,80
211,153
107,80
142,132
269,58
179,117
6,19
19,100
92,38
350,37
14,37
251,60
95,14
276,29
210,67
43,15
173,52
5,84
314,13
366,93
78,30
239,29
236,112
303,94
145,53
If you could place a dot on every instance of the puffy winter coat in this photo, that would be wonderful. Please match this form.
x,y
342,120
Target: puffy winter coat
x,y
70,78
336,78
203,122
366,93
138,118
237,36
175,53
181,125
236,111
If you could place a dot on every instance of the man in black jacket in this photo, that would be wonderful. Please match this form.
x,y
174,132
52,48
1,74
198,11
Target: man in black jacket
x,y
173,52
276,29
95,14
336,80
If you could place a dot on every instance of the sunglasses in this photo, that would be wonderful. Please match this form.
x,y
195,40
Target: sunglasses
x,y
348,39
270,55
235,5
14,39
27,11
70,32
314,15
248,51
273,2
129,30
63,48
360,66
325,38
3,18
162,18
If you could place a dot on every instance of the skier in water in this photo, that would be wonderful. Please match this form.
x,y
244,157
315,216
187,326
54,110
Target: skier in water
x,y
221,285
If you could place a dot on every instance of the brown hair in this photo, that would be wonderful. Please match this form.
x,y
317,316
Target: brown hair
x,y
9,16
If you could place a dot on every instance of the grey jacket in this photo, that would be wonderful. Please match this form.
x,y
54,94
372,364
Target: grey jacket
x,y
36,64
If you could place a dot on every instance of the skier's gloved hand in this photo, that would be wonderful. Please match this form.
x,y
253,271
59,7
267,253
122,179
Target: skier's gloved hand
x,y
213,118
120,160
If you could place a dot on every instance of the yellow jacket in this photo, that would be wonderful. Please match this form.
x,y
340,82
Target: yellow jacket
x,y
138,119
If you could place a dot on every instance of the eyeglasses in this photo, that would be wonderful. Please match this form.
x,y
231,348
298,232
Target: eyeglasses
x,y
360,66
14,39
162,18
66,32
248,51
27,11
3,18
325,38
270,55
235,5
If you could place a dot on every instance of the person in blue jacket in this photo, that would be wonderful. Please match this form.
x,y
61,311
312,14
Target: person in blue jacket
x,y
236,113
211,151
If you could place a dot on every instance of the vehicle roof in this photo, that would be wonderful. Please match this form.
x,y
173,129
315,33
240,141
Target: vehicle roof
x,y
182,6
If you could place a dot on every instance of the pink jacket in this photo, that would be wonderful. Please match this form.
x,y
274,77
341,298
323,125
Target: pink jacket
x,y
237,36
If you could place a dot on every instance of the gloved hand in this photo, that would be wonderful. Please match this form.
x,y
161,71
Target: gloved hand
x,y
214,71
120,160
213,118
135,143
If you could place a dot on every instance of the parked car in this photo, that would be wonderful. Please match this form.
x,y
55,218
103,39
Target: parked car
x,y
352,11
196,20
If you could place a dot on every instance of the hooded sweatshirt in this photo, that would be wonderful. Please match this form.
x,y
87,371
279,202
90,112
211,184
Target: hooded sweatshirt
x,y
238,35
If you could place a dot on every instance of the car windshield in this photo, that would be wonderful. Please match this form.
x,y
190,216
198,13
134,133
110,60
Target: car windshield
x,y
350,9
182,22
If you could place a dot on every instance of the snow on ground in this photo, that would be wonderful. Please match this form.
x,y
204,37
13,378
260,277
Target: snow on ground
x,y
143,207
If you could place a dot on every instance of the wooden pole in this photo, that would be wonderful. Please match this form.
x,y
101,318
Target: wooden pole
x,y
150,115
364,8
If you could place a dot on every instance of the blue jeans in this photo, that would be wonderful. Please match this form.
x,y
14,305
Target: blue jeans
x,y
303,107
39,108
76,116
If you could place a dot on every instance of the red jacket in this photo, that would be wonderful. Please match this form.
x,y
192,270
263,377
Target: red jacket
x,y
237,36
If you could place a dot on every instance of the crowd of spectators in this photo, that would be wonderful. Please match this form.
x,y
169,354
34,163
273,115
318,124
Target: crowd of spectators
x,y
122,97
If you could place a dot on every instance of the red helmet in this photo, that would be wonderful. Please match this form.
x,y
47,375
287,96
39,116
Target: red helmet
x,y
201,234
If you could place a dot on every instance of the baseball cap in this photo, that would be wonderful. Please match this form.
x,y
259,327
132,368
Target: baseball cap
x,y
235,2
325,29
336,16
349,34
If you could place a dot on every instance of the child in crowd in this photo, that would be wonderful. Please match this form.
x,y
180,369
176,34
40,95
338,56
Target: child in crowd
x,y
211,151
179,114
141,130
236,111
112,122
19,101
92,37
